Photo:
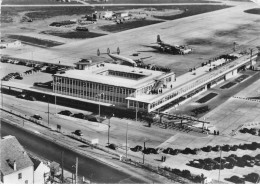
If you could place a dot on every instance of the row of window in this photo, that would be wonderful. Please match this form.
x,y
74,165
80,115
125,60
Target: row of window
x,y
92,95
91,85
137,104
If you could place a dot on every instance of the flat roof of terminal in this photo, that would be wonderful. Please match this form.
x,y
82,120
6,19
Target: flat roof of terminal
x,y
93,75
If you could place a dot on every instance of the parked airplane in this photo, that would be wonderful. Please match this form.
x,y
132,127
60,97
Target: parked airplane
x,y
175,49
125,60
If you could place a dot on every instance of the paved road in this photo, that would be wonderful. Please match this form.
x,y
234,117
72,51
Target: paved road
x,y
137,132
91,169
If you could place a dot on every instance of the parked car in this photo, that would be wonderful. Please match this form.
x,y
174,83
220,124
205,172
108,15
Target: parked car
x,y
37,116
237,180
65,113
187,151
91,118
79,115
169,150
78,133
136,148
113,146
253,177
19,77
150,151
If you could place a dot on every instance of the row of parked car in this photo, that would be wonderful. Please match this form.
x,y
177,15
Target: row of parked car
x,y
10,76
37,67
253,131
251,177
79,115
146,150
226,148
226,162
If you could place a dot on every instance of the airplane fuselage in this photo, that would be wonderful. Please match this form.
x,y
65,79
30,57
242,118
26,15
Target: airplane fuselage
x,y
125,60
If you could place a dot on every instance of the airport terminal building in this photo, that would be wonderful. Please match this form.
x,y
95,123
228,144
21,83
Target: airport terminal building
x,y
143,89
112,83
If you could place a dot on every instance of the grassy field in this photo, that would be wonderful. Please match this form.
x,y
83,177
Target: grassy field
x,y
73,35
35,41
128,25
34,2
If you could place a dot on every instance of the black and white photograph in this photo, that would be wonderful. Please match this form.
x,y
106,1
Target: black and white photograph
x,y
130,92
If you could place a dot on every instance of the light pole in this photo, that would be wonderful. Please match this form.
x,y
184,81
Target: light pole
x,y
99,96
109,129
126,140
144,149
136,103
2,102
48,109
219,164
55,95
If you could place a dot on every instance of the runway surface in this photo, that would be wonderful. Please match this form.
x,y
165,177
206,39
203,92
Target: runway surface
x,y
209,34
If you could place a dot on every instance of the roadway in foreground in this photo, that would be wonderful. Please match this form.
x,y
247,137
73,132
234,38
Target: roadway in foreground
x,y
94,170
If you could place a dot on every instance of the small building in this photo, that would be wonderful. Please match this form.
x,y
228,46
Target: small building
x,y
41,171
121,14
85,64
16,166
8,43
107,14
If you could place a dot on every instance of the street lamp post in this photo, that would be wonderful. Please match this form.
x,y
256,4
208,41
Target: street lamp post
x,y
48,109
99,96
143,152
109,129
126,140
55,95
136,110
219,164
2,98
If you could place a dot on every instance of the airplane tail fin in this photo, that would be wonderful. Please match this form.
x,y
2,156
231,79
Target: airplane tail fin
x,y
159,39
108,51
117,51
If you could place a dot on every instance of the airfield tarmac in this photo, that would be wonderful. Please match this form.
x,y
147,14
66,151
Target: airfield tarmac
x,y
230,25
210,34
